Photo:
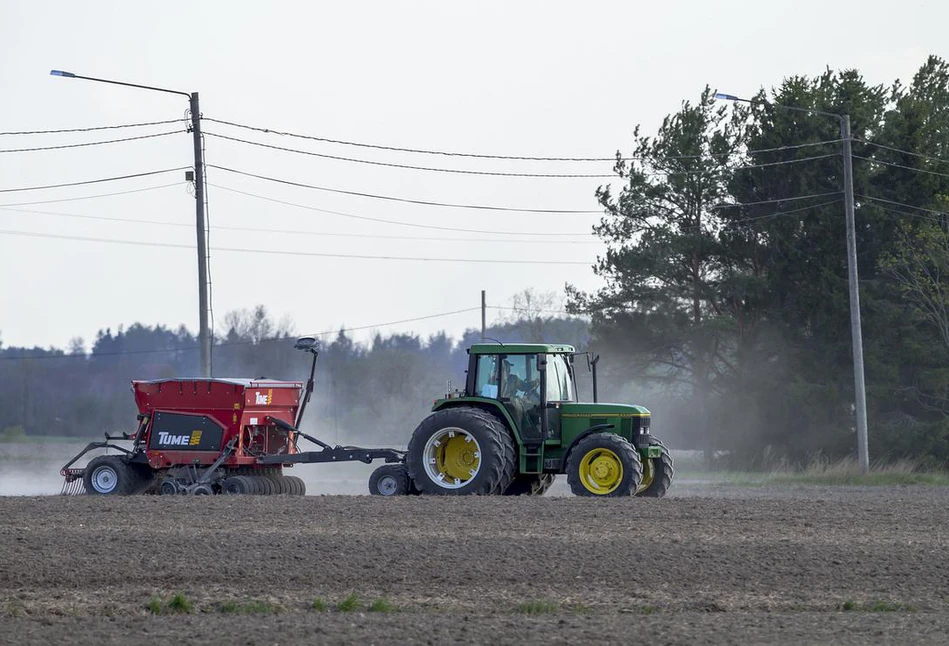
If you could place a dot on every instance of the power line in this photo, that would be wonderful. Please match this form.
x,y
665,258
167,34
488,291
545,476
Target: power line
x,y
89,143
93,181
407,150
785,199
905,152
726,170
168,245
421,151
918,216
91,197
401,199
918,170
238,343
407,166
393,222
294,231
908,206
64,130
780,213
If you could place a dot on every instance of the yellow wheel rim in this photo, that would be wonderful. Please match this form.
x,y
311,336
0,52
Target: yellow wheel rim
x,y
452,458
601,471
649,474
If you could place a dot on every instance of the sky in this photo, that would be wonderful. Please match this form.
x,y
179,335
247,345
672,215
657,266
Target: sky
x,y
539,79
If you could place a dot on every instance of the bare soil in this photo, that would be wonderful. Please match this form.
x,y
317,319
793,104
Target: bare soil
x,y
707,566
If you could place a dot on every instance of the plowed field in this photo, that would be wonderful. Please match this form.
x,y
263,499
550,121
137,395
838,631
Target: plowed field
x,y
720,565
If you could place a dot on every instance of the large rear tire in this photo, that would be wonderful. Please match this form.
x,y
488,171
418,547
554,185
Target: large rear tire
x,y
461,451
389,480
604,464
109,475
657,473
530,484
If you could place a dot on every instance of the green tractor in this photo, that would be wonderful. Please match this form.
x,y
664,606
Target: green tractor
x,y
519,422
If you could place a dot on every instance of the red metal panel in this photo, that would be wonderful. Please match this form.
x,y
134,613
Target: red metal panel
x,y
234,404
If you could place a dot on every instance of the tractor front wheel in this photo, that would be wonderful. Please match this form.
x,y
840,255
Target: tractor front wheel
x,y
461,451
657,473
604,464
109,475
389,480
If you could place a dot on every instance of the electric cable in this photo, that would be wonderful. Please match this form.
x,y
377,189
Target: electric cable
x,y
393,222
905,152
95,128
410,167
89,143
93,181
400,199
91,197
505,174
785,199
295,232
279,252
482,156
884,163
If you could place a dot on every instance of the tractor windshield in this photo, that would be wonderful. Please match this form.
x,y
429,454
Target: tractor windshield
x,y
559,381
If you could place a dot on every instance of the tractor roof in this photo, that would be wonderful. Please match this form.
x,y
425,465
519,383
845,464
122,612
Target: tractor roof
x,y
520,348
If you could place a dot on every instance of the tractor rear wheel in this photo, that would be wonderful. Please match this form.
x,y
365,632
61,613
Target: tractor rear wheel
x,y
657,473
389,480
110,475
604,464
530,484
461,451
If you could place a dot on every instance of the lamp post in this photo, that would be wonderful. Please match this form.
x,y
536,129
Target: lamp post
x,y
204,338
855,326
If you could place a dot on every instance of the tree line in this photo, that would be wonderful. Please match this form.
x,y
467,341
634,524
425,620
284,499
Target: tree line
x,y
726,271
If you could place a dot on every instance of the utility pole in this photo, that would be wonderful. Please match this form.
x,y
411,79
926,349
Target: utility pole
x,y
204,337
856,333
484,307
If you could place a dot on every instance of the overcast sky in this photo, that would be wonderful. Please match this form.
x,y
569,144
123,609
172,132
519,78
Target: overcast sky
x,y
504,78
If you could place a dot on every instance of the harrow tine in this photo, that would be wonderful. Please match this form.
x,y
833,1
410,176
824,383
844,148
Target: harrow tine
x,y
73,487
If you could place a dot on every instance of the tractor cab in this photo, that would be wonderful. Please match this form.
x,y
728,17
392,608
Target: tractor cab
x,y
528,380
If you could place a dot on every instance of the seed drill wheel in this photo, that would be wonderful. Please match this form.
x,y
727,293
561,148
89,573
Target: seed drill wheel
x,y
389,480
604,464
280,484
461,451
296,485
530,484
237,485
657,473
110,475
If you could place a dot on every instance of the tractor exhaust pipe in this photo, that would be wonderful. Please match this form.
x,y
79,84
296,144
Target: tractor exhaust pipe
x,y
593,363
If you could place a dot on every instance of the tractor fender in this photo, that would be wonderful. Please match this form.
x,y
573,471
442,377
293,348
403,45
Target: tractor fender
x,y
492,406
596,428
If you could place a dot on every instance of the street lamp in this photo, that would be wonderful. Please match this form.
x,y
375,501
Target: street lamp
x,y
855,327
204,338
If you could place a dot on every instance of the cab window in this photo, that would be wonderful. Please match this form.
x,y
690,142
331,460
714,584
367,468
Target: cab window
x,y
486,382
